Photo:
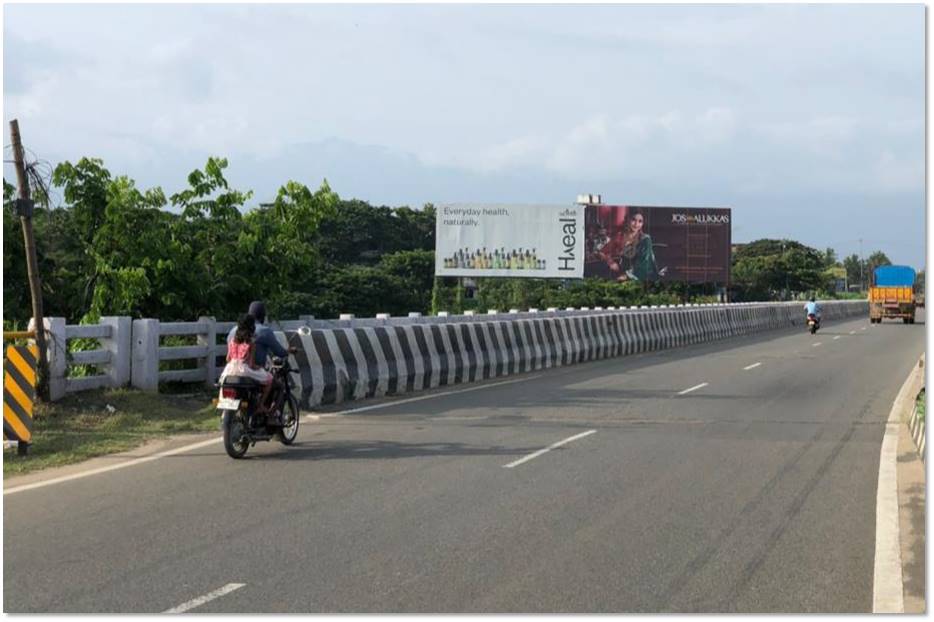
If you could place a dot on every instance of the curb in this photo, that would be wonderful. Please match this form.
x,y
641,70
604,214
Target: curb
x,y
916,427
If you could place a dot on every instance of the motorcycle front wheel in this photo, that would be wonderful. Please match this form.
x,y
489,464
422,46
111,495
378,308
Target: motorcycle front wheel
x,y
235,441
289,431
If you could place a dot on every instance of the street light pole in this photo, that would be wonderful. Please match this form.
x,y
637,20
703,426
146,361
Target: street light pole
x,y
861,285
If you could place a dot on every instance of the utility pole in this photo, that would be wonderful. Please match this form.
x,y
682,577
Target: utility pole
x,y
861,287
24,208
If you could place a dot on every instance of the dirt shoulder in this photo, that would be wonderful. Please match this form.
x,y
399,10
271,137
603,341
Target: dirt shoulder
x,y
91,424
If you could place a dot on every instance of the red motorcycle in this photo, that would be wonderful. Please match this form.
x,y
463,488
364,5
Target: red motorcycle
x,y
813,323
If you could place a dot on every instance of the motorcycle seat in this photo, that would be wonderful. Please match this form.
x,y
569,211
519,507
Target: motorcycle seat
x,y
240,382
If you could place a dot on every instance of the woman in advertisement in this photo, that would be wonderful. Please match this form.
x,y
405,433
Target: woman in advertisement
x,y
629,253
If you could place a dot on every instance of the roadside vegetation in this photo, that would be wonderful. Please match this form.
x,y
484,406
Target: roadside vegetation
x,y
920,403
107,247
96,423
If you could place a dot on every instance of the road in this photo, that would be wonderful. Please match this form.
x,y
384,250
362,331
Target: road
x,y
738,476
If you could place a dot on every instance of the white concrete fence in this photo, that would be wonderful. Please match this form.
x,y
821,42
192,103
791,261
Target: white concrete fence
x,y
131,351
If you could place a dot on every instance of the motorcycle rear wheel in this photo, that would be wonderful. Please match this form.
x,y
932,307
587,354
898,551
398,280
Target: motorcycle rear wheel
x,y
289,433
234,435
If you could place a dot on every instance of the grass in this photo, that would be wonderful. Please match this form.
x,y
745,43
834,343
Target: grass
x,y
920,404
80,426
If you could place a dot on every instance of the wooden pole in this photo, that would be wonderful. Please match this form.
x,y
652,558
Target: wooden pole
x,y
32,263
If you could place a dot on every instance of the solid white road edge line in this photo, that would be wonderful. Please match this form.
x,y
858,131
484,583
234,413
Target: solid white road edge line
x,y
694,388
887,581
112,467
754,365
197,602
536,454
417,399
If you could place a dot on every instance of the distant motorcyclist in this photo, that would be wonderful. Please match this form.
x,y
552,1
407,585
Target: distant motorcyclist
x,y
813,308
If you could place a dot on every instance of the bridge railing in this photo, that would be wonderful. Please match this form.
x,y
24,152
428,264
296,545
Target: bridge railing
x,y
143,353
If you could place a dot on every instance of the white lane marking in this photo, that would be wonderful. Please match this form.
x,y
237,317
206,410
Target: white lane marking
x,y
112,467
887,581
814,345
416,399
887,567
863,328
852,332
752,366
694,388
463,418
836,337
547,449
197,602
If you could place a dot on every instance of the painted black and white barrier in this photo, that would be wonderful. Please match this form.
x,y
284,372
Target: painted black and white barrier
x,y
342,364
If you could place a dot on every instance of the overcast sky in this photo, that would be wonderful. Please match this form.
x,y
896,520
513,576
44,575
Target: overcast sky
x,y
807,121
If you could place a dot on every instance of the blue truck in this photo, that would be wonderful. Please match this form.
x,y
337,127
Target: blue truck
x,y
892,294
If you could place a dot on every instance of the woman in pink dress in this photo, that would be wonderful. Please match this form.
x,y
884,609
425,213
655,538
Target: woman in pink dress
x,y
240,361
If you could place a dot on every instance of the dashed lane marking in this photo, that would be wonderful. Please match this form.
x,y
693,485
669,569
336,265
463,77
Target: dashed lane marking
x,y
197,602
754,365
694,388
538,453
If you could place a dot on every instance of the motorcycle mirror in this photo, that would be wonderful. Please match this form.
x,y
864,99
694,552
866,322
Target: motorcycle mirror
x,y
304,331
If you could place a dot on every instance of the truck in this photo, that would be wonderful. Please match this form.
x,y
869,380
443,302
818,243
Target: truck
x,y
892,294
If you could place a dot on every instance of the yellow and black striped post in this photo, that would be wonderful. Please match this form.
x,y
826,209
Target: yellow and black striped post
x,y
19,393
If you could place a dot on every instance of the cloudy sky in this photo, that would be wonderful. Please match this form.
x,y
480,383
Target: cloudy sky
x,y
808,121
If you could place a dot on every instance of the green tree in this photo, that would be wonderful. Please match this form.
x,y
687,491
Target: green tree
x,y
764,269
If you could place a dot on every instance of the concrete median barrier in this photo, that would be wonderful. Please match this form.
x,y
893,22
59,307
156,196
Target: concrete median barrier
x,y
344,364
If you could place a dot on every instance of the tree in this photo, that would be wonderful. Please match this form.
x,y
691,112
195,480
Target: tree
x,y
875,260
765,268
852,265
830,257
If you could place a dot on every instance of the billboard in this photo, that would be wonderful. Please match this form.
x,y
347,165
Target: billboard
x,y
543,241
636,243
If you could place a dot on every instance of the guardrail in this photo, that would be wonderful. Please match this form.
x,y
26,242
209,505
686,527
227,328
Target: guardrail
x,y
112,357
132,352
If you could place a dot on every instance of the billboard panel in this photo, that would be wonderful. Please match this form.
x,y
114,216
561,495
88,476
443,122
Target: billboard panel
x,y
637,243
510,240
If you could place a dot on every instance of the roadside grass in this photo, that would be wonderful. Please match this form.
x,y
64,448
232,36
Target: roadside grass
x,y
81,426
920,404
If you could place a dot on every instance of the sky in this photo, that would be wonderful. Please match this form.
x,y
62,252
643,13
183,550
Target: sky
x,y
808,121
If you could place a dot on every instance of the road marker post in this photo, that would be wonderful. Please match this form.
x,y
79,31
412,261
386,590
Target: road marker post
x,y
19,394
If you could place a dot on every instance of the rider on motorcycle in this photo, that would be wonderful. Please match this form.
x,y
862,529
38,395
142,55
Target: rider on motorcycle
x,y
264,339
813,308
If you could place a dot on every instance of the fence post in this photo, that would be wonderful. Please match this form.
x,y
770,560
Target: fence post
x,y
145,366
56,346
208,338
119,346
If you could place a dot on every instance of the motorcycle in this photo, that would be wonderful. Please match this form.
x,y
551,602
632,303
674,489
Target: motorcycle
x,y
238,401
813,323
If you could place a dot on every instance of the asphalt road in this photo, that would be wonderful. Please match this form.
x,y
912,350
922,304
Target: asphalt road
x,y
753,493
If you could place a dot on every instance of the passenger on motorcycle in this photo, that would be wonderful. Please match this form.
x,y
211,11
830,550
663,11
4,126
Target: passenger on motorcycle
x,y
241,358
264,340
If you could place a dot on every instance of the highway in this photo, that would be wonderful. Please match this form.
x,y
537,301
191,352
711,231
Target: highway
x,y
736,476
